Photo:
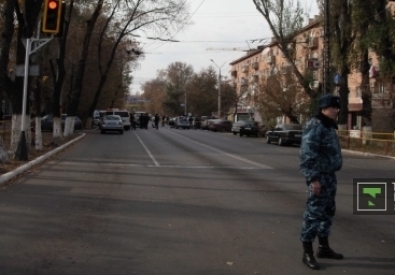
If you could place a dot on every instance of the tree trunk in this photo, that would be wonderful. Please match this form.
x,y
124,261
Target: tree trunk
x,y
78,84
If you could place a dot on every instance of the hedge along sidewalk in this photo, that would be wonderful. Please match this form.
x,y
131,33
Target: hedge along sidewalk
x,y
11,175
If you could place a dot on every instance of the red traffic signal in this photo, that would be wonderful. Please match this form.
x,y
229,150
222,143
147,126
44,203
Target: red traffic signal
x,y
51,16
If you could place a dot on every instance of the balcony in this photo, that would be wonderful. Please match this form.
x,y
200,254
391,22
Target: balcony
x,y
243,82
255,66
314,84
286,70
254,79
269,59
233,73
313,43
244,69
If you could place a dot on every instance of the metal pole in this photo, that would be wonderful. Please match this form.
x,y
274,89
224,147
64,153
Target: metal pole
x,y
219,93
326,71
21,151
185,103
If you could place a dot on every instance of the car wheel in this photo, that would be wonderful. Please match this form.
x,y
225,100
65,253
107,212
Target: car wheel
x,y
235,133
241,134
102,131
121,132
267,140
281,142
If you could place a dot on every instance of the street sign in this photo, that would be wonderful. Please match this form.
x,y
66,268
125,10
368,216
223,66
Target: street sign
x,y
34,70
313,64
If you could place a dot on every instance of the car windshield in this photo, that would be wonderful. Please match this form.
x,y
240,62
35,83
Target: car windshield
x,y
122,114
111,118
292,127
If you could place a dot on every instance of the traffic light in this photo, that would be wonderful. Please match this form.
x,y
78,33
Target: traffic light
x,y
52,16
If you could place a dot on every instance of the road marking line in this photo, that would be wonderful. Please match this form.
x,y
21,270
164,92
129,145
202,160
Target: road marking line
x,y
171,166
148,151
263,166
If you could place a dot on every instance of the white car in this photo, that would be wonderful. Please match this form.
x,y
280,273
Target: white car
x,y
125,116
111,123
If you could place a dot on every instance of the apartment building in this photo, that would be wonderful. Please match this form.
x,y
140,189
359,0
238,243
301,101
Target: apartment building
x,y
254,68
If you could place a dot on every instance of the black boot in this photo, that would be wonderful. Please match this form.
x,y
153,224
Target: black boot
x,y
308,256
324,251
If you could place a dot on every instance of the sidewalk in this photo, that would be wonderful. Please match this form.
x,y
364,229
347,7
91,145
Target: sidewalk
x,y
11,175
366,154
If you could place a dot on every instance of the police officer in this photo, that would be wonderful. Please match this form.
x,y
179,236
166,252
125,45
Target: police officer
x,y
320,158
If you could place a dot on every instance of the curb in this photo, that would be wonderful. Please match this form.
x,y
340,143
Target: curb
x,y
366,154
10,175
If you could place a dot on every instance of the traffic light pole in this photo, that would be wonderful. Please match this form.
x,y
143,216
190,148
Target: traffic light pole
x,y
21,150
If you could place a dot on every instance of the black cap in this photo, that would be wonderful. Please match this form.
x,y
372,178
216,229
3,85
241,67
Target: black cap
x,y
329,100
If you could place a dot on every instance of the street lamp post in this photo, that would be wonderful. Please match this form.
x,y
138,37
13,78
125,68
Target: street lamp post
x,y
219,86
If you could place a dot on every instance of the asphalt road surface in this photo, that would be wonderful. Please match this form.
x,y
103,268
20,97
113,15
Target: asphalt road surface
x,y
181,202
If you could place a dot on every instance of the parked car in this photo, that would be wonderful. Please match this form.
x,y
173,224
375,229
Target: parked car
x,y
236,126
111,123
249,128
172,122
205,121
219,125
125,116
182,122
47,122
285,134
96,117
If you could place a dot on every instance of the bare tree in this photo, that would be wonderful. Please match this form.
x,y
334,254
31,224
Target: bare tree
x,y
155,92
280,95
135,15
178,75
202,92
7,32
27,22
285,18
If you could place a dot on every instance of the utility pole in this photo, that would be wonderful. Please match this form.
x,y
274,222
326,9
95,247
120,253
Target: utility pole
x,y
185,101
326,58
219,86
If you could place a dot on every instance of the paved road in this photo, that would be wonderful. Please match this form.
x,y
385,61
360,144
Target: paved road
x,y
181,202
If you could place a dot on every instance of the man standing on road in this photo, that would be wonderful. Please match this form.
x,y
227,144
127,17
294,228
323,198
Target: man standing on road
x,y
156,120
320,158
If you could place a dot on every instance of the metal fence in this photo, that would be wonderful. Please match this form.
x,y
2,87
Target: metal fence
x,y
368,142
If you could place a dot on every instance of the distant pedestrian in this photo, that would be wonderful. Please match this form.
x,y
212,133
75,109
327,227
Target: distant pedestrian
x,y
197,122
132,121
141,121
190,120
146,121
156,121
320,158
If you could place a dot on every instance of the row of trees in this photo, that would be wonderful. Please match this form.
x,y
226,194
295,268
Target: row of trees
x,y
88,65
356,27
167,91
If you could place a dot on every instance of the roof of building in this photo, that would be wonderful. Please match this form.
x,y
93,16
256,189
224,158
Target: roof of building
x,y
248,55
313,22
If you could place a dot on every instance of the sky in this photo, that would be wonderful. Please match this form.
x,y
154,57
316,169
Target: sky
x,y
215,28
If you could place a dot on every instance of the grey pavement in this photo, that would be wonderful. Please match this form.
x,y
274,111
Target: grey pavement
x,y
4,178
